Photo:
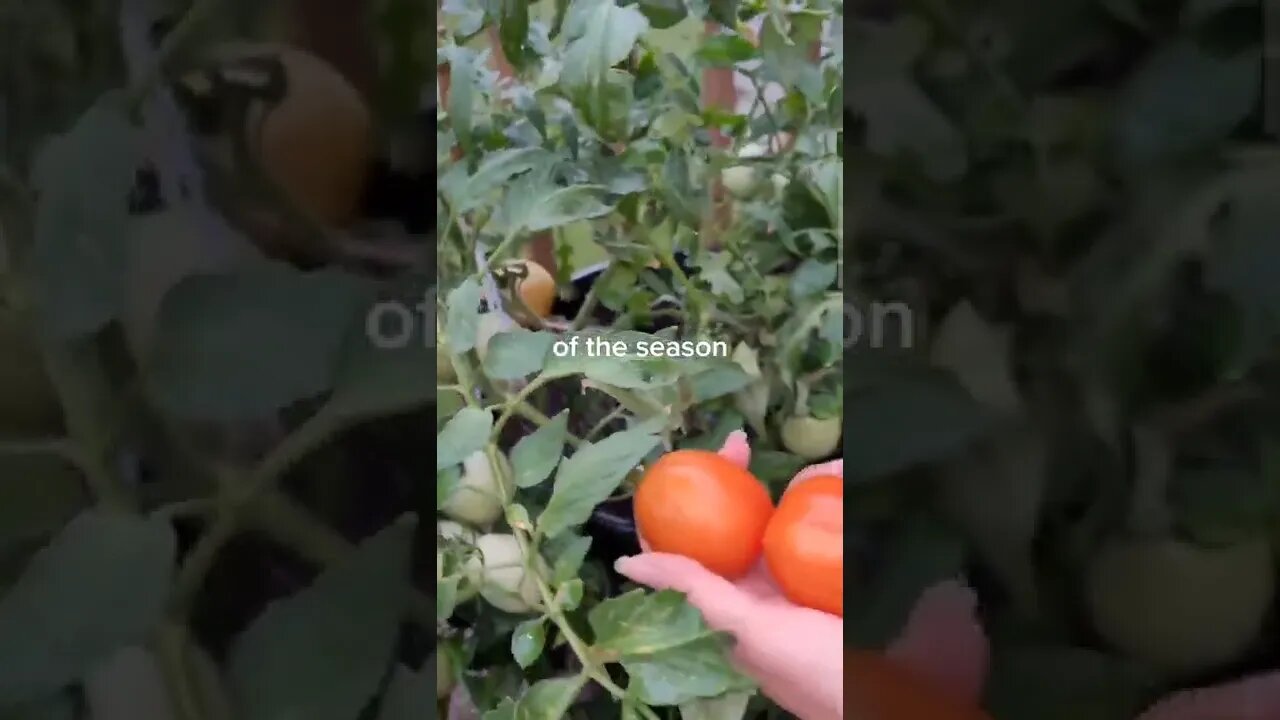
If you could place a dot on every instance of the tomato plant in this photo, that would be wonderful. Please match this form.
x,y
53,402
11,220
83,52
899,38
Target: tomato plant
x,y
673,315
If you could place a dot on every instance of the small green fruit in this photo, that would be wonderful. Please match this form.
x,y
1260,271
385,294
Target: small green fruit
x,y
505,583
478,498
1179,606
811,438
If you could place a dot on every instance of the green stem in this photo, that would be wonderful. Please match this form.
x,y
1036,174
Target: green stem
x,y
177,38
592,300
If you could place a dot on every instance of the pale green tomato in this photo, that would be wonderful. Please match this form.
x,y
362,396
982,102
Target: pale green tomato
x,y
739,180
780,183
811,438
478,498
1178,606
505,584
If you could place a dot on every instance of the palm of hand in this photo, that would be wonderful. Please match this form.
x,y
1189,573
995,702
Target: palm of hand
x,y
793,652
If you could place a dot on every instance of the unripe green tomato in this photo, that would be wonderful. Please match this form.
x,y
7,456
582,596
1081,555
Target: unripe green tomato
x,y
739,180
780,183
478,498
29,404
445,677
505,584
1178,606
811,438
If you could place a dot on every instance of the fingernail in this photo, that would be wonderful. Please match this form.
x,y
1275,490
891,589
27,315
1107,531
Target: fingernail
x,y
621,564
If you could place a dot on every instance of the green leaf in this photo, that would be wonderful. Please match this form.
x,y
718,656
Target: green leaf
x,y
601,34
663,14
591,475
919,554
466,193
285,664
463,320
730,706
813,277
462,97
378,377
980,355
567,552
528,640
666,647
465,433
1183,99
902,121
78,260
38,495
517,353
726,50
1066,683
906,420
408,692
505,710
513,31
534,203
536,455
234,346
102,584
994,496
549,699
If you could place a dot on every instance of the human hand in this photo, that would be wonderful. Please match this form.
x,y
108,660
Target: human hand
x,y
796,654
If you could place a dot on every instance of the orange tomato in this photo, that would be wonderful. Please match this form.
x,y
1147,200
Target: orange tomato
x,y
876,688
537,289
700,505
804,544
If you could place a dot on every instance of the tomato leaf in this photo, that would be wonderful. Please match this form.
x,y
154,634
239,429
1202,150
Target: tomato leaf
x,y
666,647
463,321
100,585
517,353
979,353
243,345
1065,683
536,455
549,699
591,475
906,420
78,259
464,434
527,641
407,693
377,376
1184,99
284,665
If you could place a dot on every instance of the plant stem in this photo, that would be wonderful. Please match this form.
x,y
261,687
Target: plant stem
x,y
593,298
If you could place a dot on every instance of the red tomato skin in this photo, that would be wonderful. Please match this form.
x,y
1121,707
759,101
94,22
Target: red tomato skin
x,y
697,504
804,544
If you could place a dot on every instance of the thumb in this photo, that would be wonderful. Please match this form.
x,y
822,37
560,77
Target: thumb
x,y
722,604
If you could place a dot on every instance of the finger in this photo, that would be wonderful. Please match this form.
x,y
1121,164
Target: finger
x,y
943,641
1254,698
723,606
736,449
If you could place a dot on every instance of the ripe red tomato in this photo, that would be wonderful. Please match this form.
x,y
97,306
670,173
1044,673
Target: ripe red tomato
x,y
804,544
700,505
876,688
